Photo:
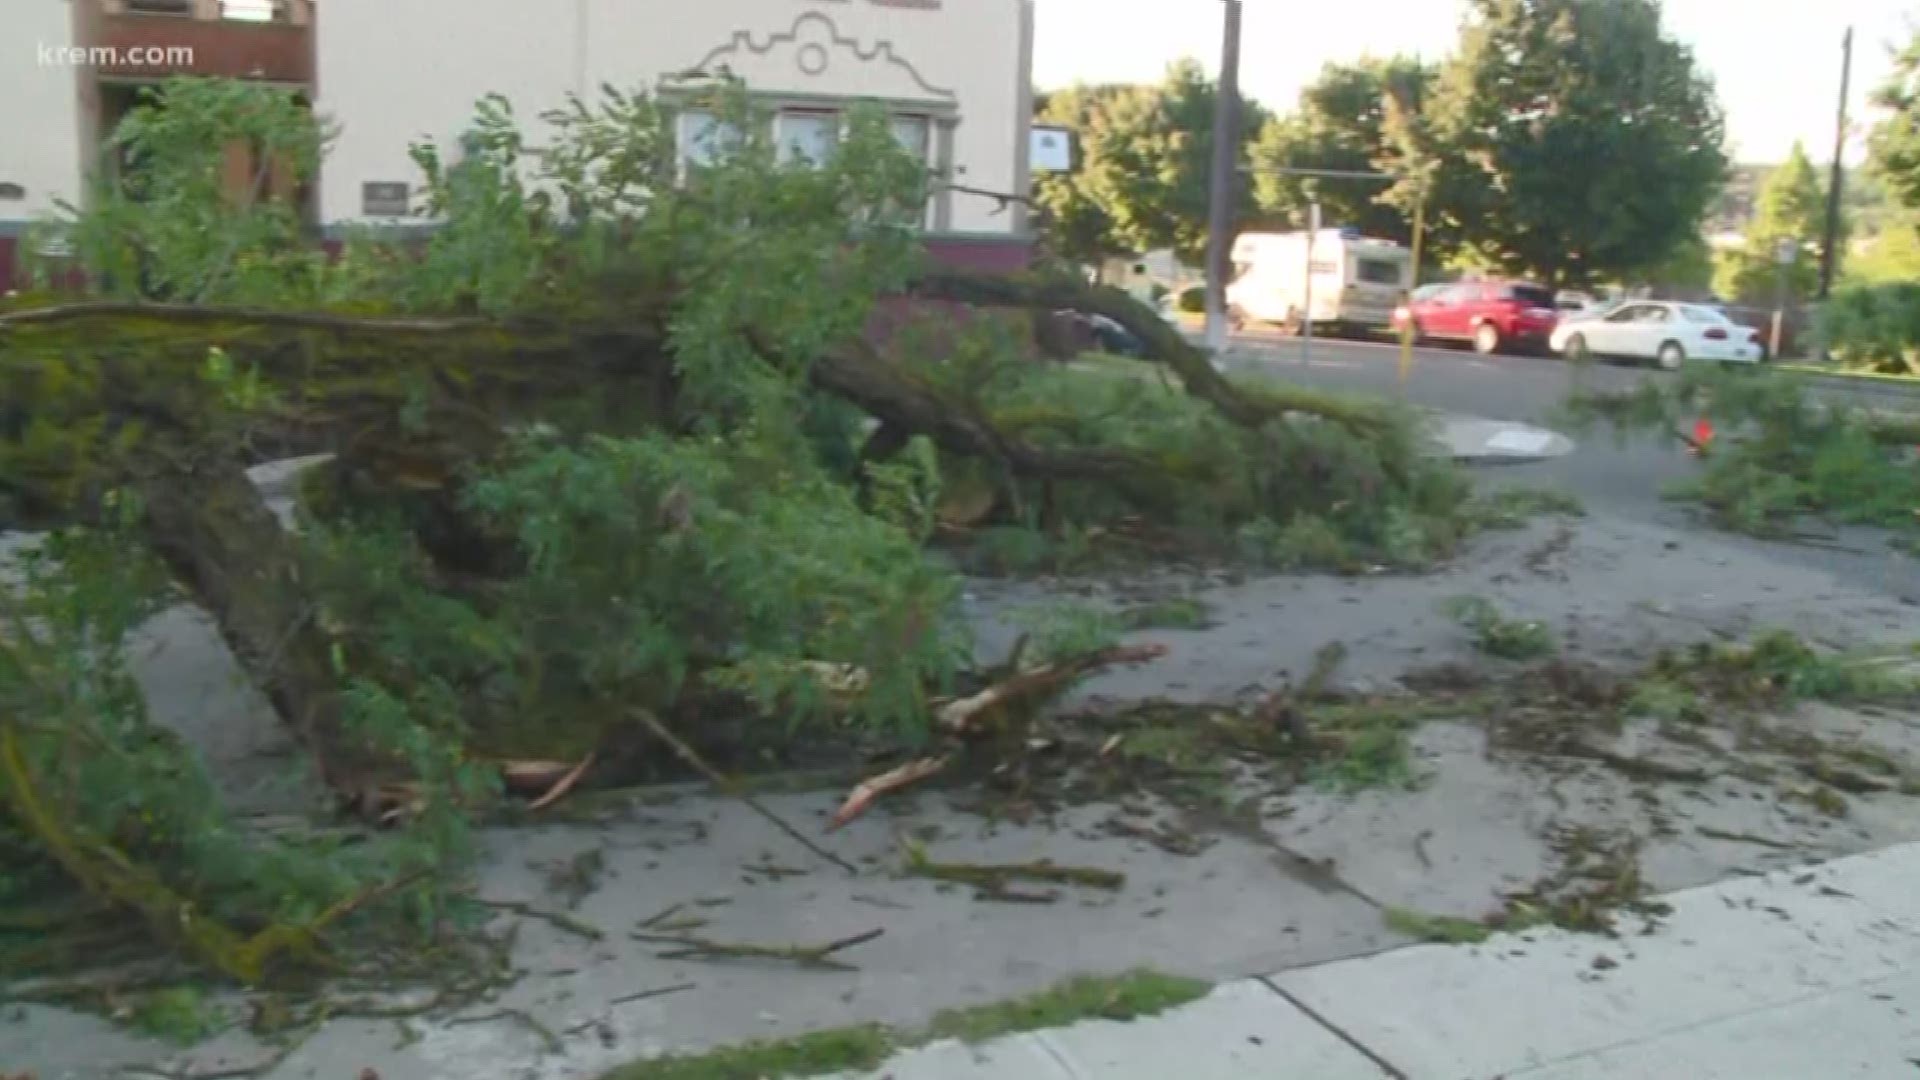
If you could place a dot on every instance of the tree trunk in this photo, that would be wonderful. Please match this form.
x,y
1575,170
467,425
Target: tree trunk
x,y
208,522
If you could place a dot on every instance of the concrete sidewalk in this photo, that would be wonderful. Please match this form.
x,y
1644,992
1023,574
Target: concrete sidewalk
x,y
1800,974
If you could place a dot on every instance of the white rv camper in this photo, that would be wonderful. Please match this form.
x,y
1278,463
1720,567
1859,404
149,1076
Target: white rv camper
x,y
1335,277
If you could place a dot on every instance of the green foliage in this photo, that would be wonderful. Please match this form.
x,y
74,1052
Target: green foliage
x,y
1339,125
1058,631
1140,181
1576,139
1792,208
1441,929
1494,633
1874,327
1193,300
839,1050
1179,613
1305,492
1778,668
648,557
160,223
1894,143
1374,754
180,1015
1779,456
1127,996
1887,255
115,777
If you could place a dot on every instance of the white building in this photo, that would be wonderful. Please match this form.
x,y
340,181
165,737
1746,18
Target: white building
x,y
955,75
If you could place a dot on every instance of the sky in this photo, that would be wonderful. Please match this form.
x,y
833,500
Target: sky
x,y
1775,63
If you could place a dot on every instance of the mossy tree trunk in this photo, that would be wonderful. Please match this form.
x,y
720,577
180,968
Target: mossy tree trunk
x,y
206,519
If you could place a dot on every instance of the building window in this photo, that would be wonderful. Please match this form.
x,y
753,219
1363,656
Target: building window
x,y
255,10
161,7
704,138
806,135
915,136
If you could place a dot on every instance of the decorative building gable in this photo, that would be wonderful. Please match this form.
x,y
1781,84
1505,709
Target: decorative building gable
x,y
815,57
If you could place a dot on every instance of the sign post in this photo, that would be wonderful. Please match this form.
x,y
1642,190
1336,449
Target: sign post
x,y
1785,251
1406,329
1306,316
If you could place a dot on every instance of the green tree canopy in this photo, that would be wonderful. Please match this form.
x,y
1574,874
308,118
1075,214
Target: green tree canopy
x,y
1340,124
1143,159
1578,141
1791,208
1895,142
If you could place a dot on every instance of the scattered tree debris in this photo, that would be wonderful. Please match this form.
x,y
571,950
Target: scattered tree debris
x,y
1712,833
558,920
735,789
994,880
526,1020
563,785
687,947
862,797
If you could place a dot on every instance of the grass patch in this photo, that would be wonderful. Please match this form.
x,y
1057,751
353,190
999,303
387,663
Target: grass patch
x,y
1442,929
1374,755
1180,613
1128,996
1494,633
180,1015
862,1047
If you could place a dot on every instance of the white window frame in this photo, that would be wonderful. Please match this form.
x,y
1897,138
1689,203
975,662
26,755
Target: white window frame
x,y
928,149
686,136
784,150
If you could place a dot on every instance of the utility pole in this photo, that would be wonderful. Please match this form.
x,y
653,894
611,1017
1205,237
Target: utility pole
x,y
1226,158
1829,251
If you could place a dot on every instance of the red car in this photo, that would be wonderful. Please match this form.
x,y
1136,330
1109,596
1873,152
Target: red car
x,y
1493,315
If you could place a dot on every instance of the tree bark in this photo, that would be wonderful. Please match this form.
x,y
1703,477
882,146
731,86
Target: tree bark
x,y
208,522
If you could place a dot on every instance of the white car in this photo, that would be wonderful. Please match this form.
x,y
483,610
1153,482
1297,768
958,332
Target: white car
x,y
1662,331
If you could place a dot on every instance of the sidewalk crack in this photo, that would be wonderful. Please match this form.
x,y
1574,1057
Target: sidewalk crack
x,y
1385,1066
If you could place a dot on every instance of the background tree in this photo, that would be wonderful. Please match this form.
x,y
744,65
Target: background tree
x,y
1340,124
1792,207
1895,143
1580,141
1142,158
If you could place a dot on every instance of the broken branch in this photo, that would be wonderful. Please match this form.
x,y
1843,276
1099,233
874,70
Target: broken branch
x,y
813,956
863,796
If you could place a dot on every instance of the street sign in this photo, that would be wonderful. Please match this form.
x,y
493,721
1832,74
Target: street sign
x,y
1052,149
1785,251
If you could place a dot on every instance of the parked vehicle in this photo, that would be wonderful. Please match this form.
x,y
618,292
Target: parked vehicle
x,y
1093,331
1355,281
1662,331
1493,315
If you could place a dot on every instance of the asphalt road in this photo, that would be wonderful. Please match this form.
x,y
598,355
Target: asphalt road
x,y
1609,477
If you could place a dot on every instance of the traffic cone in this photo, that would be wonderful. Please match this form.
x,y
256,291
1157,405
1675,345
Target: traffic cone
x,y
1702,435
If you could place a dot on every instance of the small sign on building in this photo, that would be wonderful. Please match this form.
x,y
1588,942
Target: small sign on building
x,y
1052,149
386,198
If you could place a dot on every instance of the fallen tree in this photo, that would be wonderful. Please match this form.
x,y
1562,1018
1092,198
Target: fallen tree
x,y
611,444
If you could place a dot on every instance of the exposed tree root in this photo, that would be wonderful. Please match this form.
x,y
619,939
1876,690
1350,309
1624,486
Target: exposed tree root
x,y
811,956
